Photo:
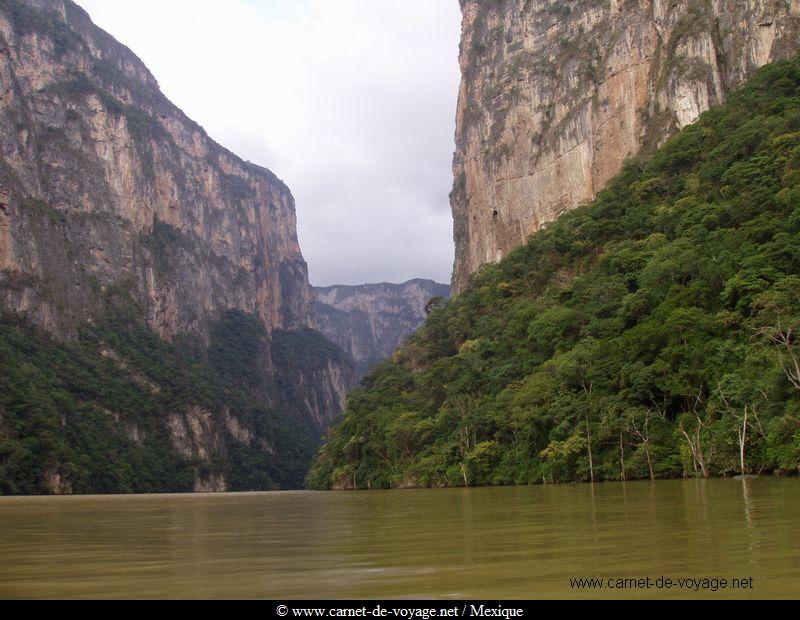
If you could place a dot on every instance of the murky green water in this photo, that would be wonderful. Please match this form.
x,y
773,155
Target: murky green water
x,y
477,543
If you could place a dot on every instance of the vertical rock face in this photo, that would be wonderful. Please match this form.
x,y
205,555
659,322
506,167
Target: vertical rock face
x,y
110,183
371,321
556,95
107,190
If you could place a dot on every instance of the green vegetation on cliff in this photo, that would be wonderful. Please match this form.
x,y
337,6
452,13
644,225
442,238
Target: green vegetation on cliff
x,y
651,333
122,411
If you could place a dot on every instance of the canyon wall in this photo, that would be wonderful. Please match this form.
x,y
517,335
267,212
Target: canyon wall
x,y
371,321
556,95
108,182
108,191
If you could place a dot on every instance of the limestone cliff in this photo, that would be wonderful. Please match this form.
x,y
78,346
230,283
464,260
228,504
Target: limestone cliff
x,y
556,95
109,182
108,189
371,321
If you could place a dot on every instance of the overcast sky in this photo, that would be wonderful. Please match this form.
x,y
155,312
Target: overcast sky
x,y
351,102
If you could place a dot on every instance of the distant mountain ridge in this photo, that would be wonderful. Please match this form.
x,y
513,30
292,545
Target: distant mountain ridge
x,y
370,321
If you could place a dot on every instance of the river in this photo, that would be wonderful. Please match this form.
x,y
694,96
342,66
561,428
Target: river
x,y
497,543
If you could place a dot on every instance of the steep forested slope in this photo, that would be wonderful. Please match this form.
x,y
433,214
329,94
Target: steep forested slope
x,y
122,411
652,332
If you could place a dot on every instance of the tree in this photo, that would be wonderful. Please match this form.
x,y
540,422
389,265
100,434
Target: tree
x,y
692,427
433,304
464,406
577,370
638,424
741,397
779,321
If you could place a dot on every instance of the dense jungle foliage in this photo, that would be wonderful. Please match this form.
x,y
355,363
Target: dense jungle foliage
x,y
649,334
94,416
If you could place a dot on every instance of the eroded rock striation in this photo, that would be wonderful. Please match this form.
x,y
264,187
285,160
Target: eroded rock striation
x,y
108,190
556,95
371,321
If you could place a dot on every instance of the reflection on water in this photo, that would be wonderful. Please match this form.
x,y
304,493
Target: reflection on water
x,y
464,543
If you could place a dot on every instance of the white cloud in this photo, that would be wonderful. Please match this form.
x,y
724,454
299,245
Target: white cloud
x,y
351,102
